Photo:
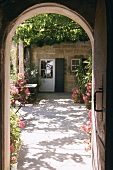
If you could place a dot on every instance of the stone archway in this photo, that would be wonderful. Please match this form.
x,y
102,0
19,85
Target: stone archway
x,y
35,10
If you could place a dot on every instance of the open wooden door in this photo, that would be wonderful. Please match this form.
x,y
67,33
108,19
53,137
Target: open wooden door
x,y
59,75
99,90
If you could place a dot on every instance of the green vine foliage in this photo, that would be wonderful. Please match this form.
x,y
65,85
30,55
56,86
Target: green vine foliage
x,y
49,29
88,68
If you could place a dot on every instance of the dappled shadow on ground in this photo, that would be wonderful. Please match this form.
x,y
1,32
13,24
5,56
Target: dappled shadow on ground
x,y
53,138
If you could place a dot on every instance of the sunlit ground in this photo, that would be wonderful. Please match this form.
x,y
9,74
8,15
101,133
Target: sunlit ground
x,y
53,139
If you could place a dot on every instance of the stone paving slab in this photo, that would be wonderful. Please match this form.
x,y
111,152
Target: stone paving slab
x,y
53,139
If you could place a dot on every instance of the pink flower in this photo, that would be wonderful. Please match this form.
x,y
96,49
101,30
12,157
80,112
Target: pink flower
x,y
13,92
20,74
24,81
90,112
22,88
88,130
83,127
12,148
89,91
21,123
26,97
79,90
17,102
27,91
72,95
89,84
73,89
88,94
85,98
14,159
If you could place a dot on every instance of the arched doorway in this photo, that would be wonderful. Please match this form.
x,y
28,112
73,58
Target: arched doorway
x,y
35,10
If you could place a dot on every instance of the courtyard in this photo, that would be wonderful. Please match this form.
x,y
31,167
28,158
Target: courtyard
x,y
52,136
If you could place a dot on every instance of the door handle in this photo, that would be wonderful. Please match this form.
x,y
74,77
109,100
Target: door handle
x,y
95,100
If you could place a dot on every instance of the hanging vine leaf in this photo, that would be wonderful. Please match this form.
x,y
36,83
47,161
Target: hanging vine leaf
x,y
48,29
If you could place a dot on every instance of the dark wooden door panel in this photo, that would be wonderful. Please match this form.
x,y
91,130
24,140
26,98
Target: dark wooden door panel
x,y
59,75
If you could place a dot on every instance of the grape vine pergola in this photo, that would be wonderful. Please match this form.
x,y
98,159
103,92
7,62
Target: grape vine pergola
x,y
49,29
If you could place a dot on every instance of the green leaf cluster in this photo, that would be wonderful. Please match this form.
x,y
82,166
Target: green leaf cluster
x,y
83,73
48,29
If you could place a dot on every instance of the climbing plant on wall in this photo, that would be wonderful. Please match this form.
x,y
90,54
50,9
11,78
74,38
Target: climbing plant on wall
x,y
83,73
48,29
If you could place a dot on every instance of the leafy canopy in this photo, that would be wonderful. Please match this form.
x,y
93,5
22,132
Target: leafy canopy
x,y
48,29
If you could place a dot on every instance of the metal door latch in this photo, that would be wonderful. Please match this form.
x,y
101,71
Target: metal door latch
x,y
99,91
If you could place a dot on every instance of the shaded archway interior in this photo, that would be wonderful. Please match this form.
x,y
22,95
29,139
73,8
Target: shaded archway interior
x,y
30,12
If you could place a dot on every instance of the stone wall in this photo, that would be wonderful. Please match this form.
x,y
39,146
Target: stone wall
x,y
67,51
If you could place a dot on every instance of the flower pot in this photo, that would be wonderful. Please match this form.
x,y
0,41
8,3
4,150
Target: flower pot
x,y
14,166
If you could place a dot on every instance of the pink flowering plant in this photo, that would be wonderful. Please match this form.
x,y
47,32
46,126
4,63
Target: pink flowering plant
x,y
77,96
87,129
15,140
18,89
87,97
83,80
18,95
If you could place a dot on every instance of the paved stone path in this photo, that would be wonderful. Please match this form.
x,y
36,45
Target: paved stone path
x,y
53,139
